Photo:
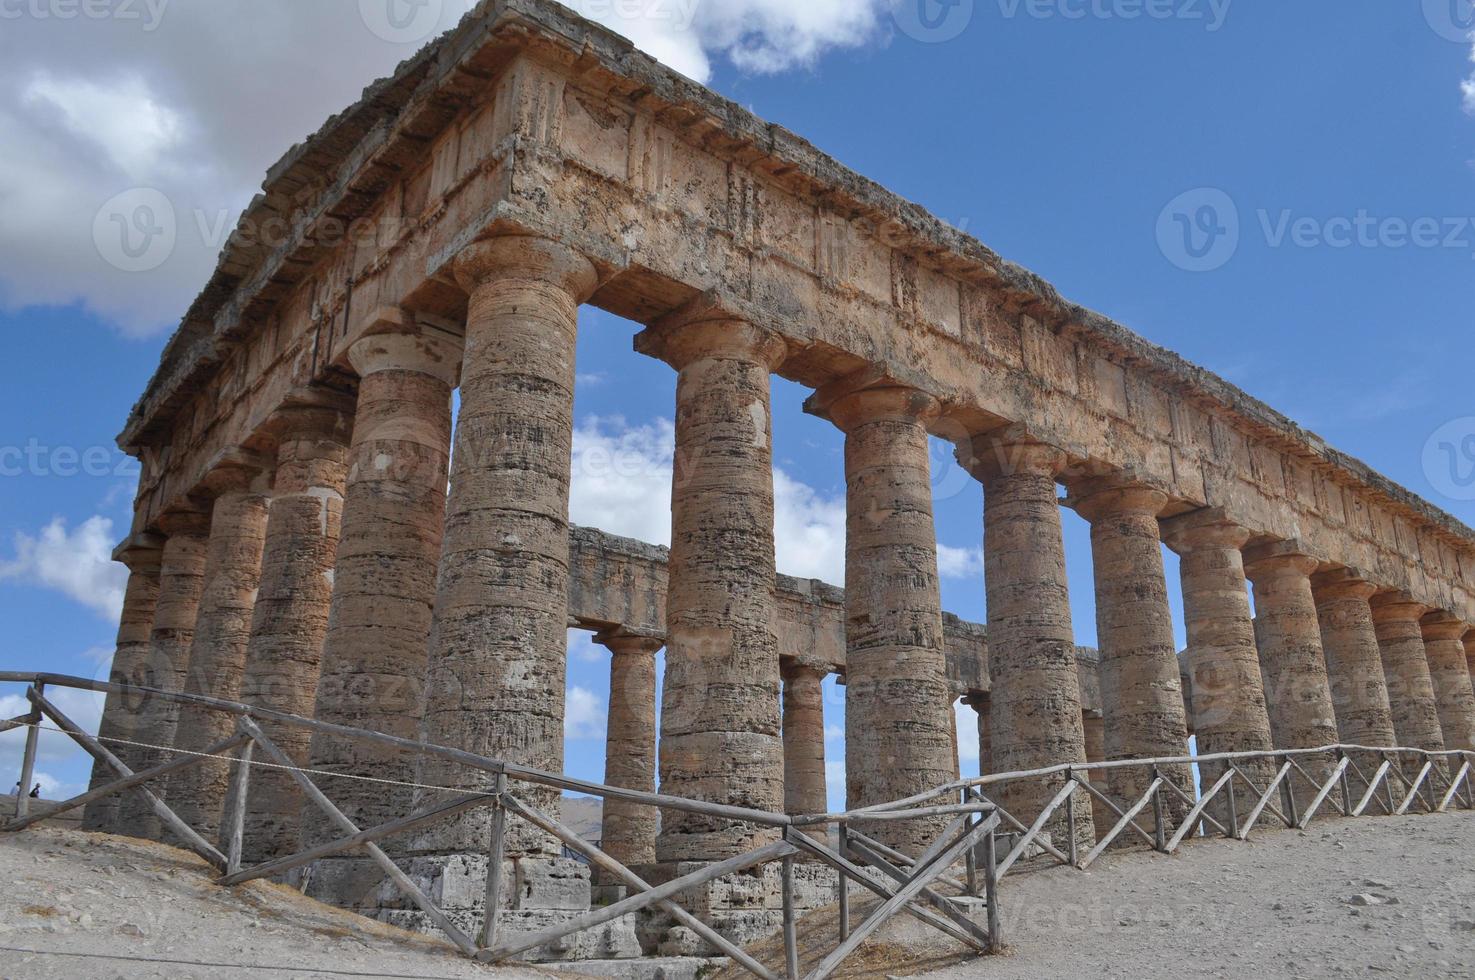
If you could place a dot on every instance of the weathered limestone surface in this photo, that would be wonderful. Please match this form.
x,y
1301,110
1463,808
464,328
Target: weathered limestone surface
x,y
804,740
374,654
721,733
1298,693
630,749
1035,699
899,727
290,618
1354,661
181,581
682,192
142,554
495,682
1228,692
1141,690
217,663
1449,672
1095,729
1470,652
1406,667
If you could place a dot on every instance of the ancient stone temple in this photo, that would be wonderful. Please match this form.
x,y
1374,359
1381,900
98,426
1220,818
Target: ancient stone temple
x,y
294,545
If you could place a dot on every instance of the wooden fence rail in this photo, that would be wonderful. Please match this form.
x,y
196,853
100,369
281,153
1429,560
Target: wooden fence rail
x,y
924,886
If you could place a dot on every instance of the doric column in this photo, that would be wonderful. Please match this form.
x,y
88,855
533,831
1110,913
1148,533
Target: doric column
x,y
900,732
1095,729
1406,666
1450,673
804,740
1298,694
1470,653
218,654
630,749
1141,690
1354,663
181,581
495,679
1036,695
721,698
1228,694
290,620
374,655
142,554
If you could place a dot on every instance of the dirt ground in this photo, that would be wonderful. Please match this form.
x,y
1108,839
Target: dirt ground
x,y
79,905
1373,897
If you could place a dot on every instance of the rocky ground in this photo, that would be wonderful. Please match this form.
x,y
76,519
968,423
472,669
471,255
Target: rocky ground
x,y
1372,897
80,905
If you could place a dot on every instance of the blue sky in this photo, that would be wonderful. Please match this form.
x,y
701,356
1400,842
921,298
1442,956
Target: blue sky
x,y
1328,132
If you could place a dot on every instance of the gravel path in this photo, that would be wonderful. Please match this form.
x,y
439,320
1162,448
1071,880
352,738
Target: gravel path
x,y
1373,897
78,905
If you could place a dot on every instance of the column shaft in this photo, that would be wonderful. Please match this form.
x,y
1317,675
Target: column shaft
x,y
284,652
1449,672
630,749
1141,689
218,654
1298,693
495,679
899,727
1354,663
1036,697
1406,668
1095,729
181,581
374,654
804,741
1228,693
142,555
721,735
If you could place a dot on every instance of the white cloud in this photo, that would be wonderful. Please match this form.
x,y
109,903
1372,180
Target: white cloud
x,y
76,563
959,562
835,781
1467,87
584,715
197,99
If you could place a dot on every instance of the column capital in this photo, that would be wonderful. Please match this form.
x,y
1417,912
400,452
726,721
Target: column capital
x,y
858,400
976,699
1343,583
682,340
621,643
1442,625
141,553
1012,453
525,257
313,412
1275,559
1207,528
236,470
398,341
1102,497
797,667
190,520
1470,640
1392,606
